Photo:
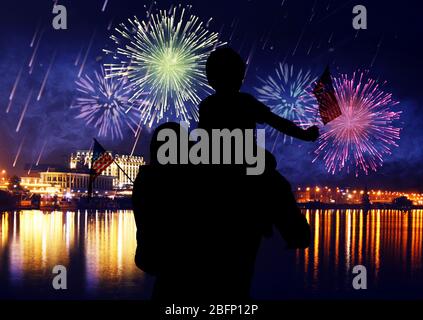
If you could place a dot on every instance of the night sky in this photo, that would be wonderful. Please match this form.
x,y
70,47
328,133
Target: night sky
x,y
270,31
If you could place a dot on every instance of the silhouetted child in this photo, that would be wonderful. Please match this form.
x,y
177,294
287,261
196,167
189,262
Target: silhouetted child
x,y
229,108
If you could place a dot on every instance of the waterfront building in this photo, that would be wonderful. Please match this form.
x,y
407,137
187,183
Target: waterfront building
x,y
74,181
64,181
129,164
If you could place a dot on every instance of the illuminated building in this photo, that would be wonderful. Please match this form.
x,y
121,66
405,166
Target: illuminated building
x,y
64,181
129,164
3,180
76,181
34,184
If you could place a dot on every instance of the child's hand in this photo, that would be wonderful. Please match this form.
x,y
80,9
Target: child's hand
x,y
312,133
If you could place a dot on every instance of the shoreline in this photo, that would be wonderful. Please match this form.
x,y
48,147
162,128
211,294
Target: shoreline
x,y
305,206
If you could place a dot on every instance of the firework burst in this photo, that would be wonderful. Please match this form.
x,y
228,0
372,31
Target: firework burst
x,y
288,94
104,103
166,57
365,132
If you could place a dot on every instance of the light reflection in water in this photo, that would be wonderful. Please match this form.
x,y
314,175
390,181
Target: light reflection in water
x,y
387,241
110,248
98,249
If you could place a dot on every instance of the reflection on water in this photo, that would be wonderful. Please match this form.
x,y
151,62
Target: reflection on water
x,y
387,242
98,251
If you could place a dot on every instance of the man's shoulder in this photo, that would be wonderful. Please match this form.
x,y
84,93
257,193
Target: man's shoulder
x,y
207,103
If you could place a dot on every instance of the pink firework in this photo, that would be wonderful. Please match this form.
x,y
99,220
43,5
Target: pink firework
x,y
366,131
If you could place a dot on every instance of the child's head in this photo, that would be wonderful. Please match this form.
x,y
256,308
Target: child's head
x,y
225,70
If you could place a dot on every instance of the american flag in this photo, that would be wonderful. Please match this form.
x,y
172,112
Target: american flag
x,y
101,159
325,94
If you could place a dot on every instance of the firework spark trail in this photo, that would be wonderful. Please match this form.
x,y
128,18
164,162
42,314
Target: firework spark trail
x,y
168,55
137,136
300,38
104,6
377,52
313,12
150,9
356,34
81,69
34,53
78,57
46,76
109,25
104,103
250,57
288,94
41,153
9,106
366,131
35,35
12,93
265,40
208,22
309,49
234,26
28,99
19,152
222,27
330,38
275,142
268,34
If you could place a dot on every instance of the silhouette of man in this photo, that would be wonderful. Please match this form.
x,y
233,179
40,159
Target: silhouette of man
x,y
192,232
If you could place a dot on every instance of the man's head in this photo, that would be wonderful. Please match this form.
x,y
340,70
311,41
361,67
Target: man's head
x,y
225,70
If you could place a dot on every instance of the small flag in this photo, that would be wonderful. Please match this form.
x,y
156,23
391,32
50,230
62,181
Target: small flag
x,y
101,159
325,94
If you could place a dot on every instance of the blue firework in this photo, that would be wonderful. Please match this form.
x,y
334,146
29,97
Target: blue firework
x,y
288,93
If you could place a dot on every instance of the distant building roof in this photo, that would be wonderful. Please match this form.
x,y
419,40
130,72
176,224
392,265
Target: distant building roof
x,y
44,167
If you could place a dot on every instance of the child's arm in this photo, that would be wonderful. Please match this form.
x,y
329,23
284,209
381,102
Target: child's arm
x,y
290,128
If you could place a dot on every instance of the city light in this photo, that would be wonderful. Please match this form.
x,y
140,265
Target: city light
x,y
341,195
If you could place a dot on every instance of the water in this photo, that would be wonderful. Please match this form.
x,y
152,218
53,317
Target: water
x,y
98,251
